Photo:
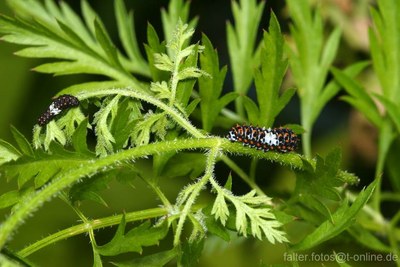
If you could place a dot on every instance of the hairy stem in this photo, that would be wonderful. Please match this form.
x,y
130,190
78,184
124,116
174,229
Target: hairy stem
x,y
32,202
92,224
211,159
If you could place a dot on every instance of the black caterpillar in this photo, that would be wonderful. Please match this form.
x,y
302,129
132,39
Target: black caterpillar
x,y
276,139
61,103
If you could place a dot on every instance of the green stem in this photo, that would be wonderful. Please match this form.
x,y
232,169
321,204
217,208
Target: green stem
x,y
92,224
239,107
386,137
84,219
211,159
306,136
174,80
31,202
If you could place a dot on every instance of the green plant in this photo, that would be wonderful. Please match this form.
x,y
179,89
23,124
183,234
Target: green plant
x,y
143,131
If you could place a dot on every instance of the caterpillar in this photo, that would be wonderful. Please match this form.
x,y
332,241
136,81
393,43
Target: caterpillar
x,y
276,139
59,104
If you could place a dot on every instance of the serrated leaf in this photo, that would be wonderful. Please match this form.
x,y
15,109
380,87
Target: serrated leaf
x,y
185,164
210,88
333,87
103,120
22,142
163,62
9,198
134,240
105,41
154,46
342,219
268,78
251,109
191,252
76,89
368,239
129,112
43,168
192,105
220,209
242,42
284,100
159,259
216,228
228,184
53,134
127,34
330,49
316,204
161,90
321,181
227,98
190,72
89,189
8,152
79,138
360,99
70,121
68,39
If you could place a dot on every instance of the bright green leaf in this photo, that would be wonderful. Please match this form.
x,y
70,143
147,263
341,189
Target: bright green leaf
x,y
134,240
342,219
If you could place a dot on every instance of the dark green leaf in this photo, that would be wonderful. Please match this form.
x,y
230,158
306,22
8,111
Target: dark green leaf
x,y
227,98
283,217
251,109
210,88
314,202
313,186
191,253
44,167
333,87
23,144
192,105
88,189
342,219
330,48
284,100
159,259
216,228
104,40
129,111
367,239
185,87
185,164
359,97
269,78
79,139
228,184
127,34
154,46
8,152
134,240
9,199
